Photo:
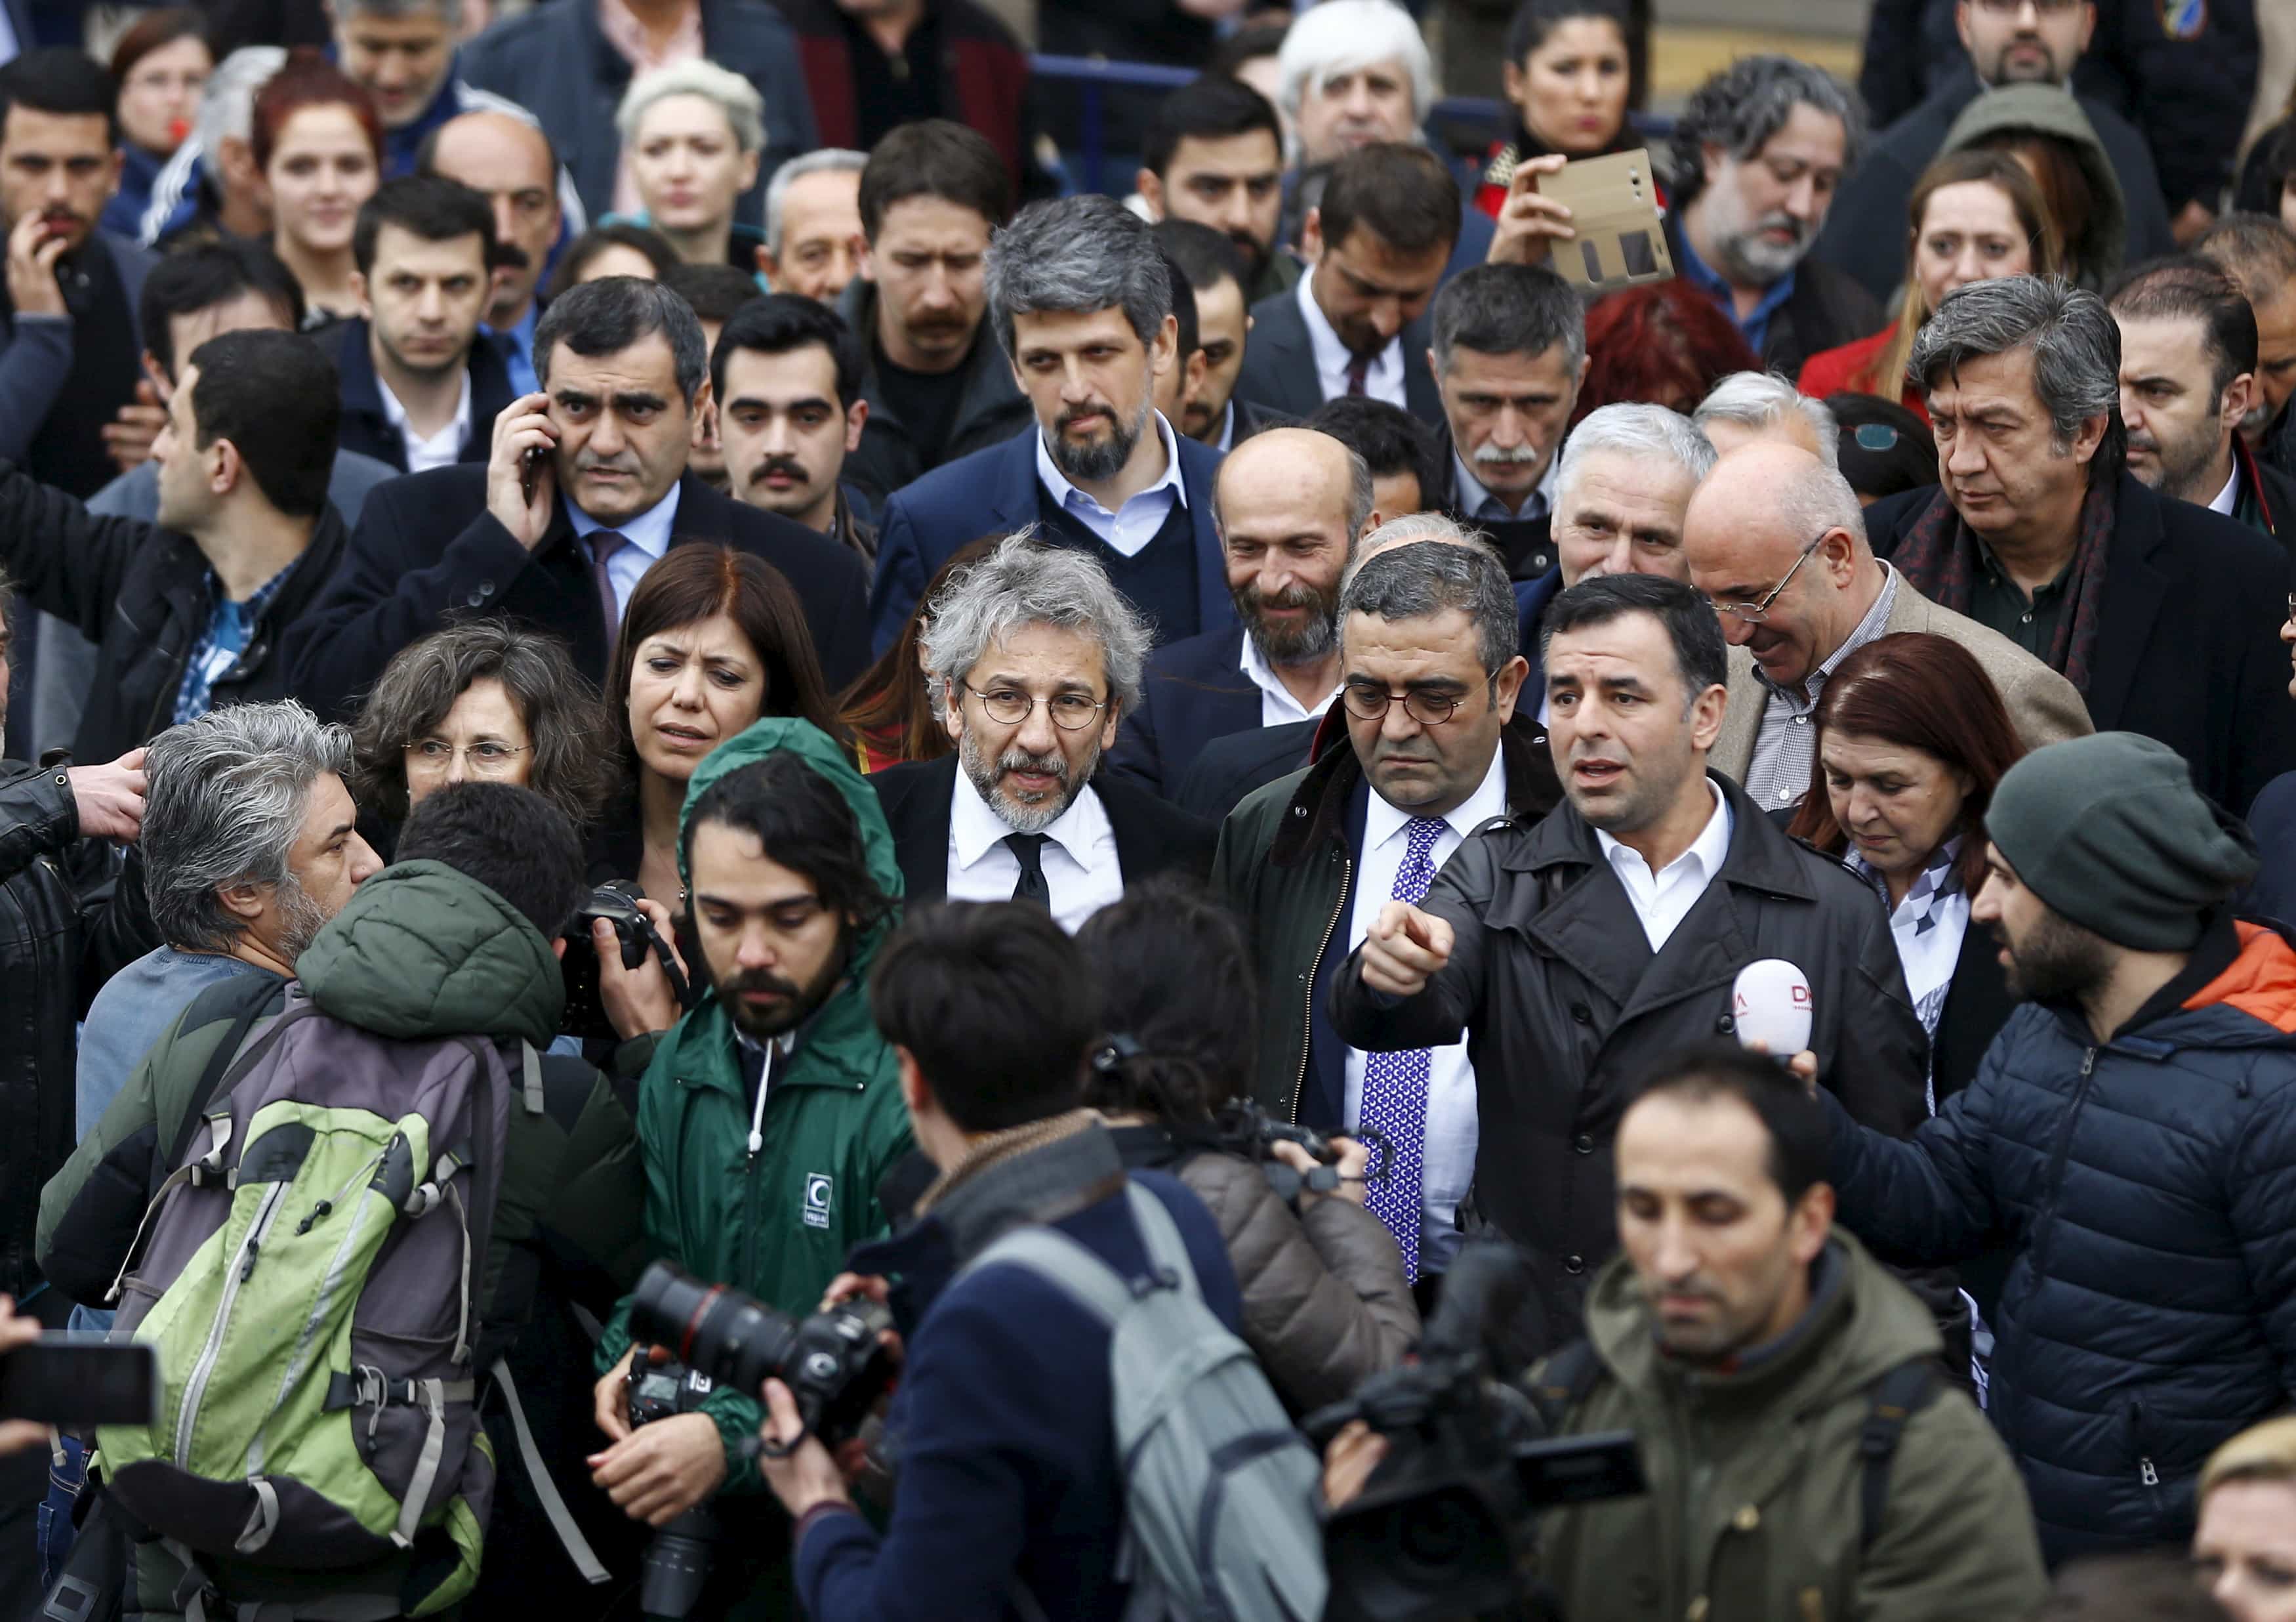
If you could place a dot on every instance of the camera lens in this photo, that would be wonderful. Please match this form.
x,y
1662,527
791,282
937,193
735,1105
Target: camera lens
x,y
733,1340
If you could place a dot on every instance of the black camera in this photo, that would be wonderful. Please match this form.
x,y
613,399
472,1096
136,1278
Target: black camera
x,y
617,903
681,1555
1242,1126
1445,1524
835,1364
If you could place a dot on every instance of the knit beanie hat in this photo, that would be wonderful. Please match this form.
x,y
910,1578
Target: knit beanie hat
x,y
2110,832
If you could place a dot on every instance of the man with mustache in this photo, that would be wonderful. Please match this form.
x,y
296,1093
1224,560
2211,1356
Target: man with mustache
x,y
1508,352
1573,953
1758,153
1215,155
1777,541
510,161
1081,299
787,376
1036,658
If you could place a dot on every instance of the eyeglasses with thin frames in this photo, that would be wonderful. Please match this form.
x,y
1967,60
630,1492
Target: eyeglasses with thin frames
x,y
430,757
1010,707
1753,613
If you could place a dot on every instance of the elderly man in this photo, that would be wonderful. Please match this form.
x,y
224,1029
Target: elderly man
x,y
1777,541
1037,657
1758,153
1508,352
1435,744
1291,503
1747,406
813,224
2165,616
1080,301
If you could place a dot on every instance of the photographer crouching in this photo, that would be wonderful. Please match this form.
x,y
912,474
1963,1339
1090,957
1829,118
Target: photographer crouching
x,y
1802,1452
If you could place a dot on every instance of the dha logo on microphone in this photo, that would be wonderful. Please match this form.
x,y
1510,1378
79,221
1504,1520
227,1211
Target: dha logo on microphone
x,y
820,1190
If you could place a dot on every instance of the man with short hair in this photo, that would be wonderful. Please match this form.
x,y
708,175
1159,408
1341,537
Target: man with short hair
x,y
1399,448
420,389
2131,1139
1508,346
2188,360
1080,301
1291,505
716,293
787,378
813,224
1573,953
510,161
2165,617
1777,541
692,135
2259,253
1748,408
1212,415
1758,153
1214,155
1760,1356
936,386
1036,658
562,540
1355,323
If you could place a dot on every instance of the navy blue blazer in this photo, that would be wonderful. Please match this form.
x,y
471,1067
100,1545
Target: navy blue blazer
x,y
1193,693
994,492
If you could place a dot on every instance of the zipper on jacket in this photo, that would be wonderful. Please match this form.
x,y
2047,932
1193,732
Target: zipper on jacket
x,y
1308,998
240,1265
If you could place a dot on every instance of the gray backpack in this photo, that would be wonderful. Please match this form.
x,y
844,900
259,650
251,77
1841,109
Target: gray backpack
x,y
1219,1489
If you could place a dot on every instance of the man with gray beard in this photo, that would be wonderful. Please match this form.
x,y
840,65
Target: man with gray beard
x,y
1036,658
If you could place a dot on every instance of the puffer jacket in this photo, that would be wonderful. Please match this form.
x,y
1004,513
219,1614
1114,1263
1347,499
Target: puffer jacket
x,y
2146,1186
1325,1300
1755,1508
1565,1008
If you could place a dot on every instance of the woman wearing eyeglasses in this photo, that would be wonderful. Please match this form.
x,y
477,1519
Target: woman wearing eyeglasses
x,y
1974,216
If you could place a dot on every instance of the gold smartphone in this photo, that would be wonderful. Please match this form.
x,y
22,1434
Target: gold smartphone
x,y
1614,208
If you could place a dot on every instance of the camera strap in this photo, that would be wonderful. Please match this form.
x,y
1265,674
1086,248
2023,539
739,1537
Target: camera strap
x,y
545,1491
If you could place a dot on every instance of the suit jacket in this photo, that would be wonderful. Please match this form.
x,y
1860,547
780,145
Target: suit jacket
x,y
1151,834
427,550
368,428
994,492
2188,651
2045,707
1227,769
1194,691
1279,363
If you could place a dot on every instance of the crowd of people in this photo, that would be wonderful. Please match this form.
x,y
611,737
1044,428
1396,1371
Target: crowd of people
x,y
643,631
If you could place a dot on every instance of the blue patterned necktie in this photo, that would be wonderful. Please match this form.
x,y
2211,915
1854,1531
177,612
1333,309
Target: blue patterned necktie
x,y
1395,1085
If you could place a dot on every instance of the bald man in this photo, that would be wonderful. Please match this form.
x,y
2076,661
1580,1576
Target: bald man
x,y
1775,540
510,160
1290,505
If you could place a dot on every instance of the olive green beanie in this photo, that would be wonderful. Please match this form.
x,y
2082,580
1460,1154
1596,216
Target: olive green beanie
x,y
2110,832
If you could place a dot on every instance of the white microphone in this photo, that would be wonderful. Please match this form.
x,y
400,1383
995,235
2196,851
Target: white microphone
x,y
1770,1003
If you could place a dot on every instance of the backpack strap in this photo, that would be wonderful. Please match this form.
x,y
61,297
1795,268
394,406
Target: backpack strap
x,y
1893,1399
1568,1378
545,1490
246,1006
1091,1281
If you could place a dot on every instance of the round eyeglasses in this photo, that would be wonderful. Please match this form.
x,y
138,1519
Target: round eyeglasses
x,y
1009,707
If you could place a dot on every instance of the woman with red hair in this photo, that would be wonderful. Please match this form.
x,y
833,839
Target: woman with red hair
x,y
317,144
1663,344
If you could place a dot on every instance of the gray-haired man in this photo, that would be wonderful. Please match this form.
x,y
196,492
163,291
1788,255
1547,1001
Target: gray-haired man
x,y
1036,657
813,224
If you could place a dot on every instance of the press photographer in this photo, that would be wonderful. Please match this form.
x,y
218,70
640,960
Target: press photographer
x,y
1803,1453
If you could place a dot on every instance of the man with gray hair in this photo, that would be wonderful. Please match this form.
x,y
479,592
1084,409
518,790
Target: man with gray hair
x,y
1508,352
1080,300
813,224
1434,746
1758,152
1746,407
2164,616
1777,541
1036,658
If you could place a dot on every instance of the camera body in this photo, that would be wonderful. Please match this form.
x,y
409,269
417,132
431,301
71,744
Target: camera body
x,y
680,1557
617,903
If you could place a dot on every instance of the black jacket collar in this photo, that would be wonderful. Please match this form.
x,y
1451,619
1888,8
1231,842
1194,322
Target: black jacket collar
x,y
1317,815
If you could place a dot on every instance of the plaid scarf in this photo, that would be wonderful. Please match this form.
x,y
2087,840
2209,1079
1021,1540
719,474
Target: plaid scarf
x,y
1938,555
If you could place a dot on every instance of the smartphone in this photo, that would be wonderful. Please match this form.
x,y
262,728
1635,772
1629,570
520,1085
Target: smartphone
x,y
530,471
65,1378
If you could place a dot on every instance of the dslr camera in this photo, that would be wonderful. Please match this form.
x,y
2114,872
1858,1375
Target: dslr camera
x,y
617,903
680,1556
1444,1527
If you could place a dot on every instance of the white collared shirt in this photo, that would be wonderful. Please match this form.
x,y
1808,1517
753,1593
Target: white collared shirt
x,y
1132,526
442,448
1276,704
1477,502
1384,378
1227,431
2229,496
1447,1153
1662,900
1078,855
646,540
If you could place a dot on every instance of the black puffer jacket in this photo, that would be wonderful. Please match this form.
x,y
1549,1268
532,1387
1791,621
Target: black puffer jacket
x,y
2147,1186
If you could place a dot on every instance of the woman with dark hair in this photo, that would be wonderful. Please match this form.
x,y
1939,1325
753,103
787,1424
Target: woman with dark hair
x,y
1325,1300
317,144
1886,450
1569,67
712,639
890,708
162,65
1665,343
1911,737
481,702
621,249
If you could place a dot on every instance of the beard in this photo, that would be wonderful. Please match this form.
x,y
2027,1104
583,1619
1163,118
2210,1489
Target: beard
x,y
1089,463
1023,814
2058,960
799,1004
2184,464
300,919
1304,642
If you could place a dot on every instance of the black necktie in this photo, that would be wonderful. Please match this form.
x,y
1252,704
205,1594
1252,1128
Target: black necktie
x,y
1028,850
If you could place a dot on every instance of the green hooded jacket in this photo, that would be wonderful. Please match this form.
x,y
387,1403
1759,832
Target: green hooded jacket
x,y
778,1224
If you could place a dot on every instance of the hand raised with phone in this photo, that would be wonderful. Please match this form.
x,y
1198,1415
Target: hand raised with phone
x,y
522,474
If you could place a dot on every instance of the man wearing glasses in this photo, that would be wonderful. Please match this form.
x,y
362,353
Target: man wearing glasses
x,y
1035,656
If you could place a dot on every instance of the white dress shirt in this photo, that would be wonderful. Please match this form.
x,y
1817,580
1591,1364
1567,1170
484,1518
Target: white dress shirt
x,y
1227,431
1276,704
1384,380
1078,855
1477,502
1132,526
442,448
1448,1162
1662,900
645,538
2229,496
